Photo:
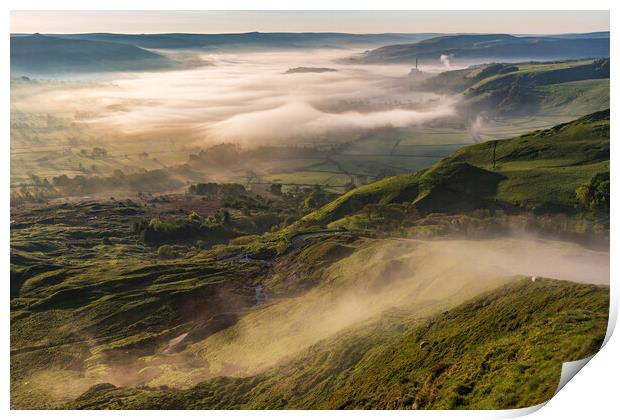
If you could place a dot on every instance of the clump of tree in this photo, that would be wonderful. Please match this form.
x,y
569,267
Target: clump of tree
x,y
232,155
258,213
214,228
215,190
233,196
95,153
153,180
223,154
594,195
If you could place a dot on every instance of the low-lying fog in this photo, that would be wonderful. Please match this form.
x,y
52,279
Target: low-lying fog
x,y
416,277
247,98
419,277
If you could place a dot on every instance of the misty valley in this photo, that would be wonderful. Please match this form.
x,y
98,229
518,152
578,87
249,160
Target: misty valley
x,y
306,220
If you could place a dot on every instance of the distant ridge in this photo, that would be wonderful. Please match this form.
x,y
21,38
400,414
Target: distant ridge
x,y
248,39
40,54
490,47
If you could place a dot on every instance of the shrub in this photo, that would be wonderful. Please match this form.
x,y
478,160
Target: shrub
x,y
211,229
595,195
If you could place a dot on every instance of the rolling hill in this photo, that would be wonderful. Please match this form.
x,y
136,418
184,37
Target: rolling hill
x,y
553,88
518,179
483,354
52,55
320,314
485,48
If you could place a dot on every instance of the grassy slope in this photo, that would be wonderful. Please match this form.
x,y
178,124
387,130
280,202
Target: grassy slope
x,y
491,76
502,349
573,98
80,303
570,154
571,88
84,291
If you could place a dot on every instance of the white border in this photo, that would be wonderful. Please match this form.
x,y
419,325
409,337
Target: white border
x,y
306,5
592,394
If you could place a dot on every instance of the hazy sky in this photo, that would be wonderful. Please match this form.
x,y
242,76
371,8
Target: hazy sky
x,y
517,22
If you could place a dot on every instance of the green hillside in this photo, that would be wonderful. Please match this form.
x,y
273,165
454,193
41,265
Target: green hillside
x,y
503,349
333,310
569,88
570,155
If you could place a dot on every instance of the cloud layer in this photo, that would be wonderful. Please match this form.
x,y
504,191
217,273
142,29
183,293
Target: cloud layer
x,y
247,98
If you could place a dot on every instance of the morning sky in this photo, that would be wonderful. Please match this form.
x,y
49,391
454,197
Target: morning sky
x,y
515,22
